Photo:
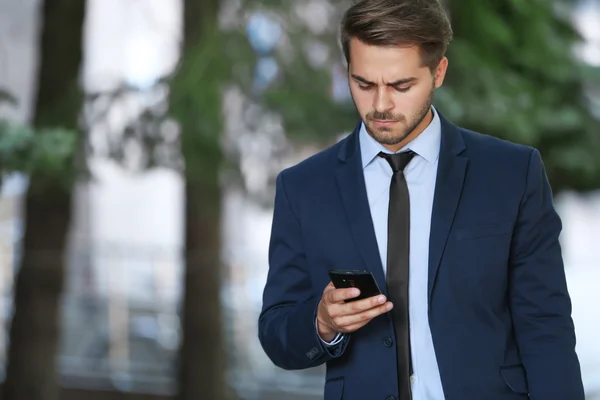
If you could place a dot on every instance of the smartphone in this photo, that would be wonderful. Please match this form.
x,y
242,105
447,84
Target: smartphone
x,y
363,280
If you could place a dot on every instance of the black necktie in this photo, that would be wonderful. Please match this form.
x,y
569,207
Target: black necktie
x,y
397,265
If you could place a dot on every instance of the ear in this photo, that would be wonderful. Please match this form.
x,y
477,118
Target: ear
x,y
440,72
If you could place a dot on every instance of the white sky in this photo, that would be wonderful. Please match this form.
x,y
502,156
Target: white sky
x,y
587,18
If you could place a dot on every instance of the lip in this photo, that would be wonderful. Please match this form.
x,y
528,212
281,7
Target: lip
x,y
384,123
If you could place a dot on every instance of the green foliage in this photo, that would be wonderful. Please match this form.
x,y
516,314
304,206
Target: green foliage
x,y
303,97
513,75
46,154
302,94
207,66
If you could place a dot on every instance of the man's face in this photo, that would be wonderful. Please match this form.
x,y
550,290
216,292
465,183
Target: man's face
x,y
392,91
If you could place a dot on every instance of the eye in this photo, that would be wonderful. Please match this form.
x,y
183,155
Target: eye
x,y
403,90
363,87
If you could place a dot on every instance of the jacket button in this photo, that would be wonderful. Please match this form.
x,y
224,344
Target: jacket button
x,y
388,343
390,398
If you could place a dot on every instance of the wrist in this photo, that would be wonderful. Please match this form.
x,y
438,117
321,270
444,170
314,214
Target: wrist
x,y
325,332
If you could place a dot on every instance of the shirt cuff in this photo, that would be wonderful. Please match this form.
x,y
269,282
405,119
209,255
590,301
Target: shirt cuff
x,y
336,340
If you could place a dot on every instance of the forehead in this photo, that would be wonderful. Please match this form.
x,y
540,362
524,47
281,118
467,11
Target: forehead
x,y
392,62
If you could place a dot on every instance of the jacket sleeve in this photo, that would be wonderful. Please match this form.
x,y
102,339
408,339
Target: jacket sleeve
x,y
286,326
539,299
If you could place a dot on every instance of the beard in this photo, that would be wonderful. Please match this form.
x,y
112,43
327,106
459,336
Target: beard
x,y
393,135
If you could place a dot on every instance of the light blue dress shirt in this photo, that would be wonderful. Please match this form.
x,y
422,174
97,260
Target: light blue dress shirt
x,y
420,175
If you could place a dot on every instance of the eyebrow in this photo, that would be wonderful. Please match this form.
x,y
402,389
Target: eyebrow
x,y
395,83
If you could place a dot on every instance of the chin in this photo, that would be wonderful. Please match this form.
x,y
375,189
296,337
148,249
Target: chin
x,y
389,139
386,135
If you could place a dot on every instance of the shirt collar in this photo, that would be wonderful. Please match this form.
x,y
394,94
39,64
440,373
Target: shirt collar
x,y
426,145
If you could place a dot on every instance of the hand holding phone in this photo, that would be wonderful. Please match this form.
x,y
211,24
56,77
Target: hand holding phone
x,y
346,308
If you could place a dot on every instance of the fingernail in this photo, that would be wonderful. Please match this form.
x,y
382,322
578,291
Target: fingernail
x,y
389,306
354,292
381,299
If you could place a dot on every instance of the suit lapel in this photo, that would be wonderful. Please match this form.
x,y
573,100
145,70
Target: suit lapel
x,y
448,189
353,192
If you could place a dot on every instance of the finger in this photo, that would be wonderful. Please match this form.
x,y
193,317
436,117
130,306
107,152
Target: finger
x,y
356,307
350,323
347,321
339,295
329,287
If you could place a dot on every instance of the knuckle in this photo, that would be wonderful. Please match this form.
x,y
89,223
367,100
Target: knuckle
x,y
365,306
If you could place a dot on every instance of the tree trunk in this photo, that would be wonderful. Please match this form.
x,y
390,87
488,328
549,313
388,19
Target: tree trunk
x,y
34,332
202,355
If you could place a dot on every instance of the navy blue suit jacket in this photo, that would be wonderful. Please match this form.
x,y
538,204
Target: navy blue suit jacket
x,y
499,310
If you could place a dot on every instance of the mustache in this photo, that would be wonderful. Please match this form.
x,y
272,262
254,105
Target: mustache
x,y
384,116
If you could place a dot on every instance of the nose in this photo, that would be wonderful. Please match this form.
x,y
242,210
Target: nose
x,y
383,100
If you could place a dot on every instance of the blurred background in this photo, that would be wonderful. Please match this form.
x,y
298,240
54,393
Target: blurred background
x,y
139,143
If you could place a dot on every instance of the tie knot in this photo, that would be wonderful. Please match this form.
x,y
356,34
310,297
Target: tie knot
x,y
398,161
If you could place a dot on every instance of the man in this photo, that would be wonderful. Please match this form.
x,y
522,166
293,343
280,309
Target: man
x,y
458,228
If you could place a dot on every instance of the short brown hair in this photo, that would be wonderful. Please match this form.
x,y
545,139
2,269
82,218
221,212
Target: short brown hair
x,y
422,23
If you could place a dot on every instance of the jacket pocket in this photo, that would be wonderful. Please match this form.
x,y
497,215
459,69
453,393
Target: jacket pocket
x,y
515,378
334,389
